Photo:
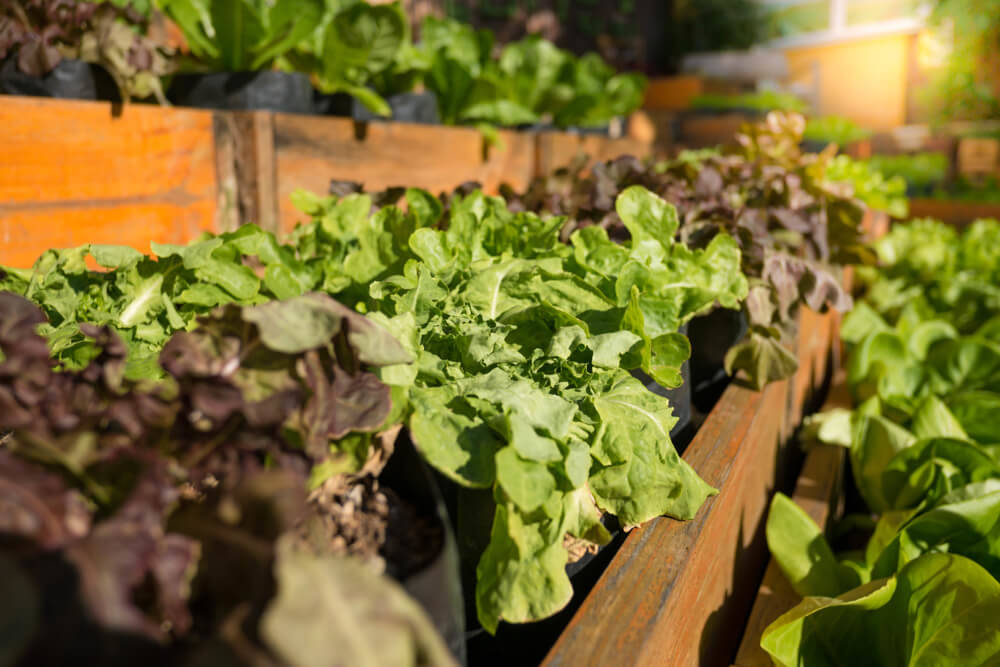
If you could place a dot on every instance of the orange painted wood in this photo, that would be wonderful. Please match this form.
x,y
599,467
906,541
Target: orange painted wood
x,y
676,590
672,93
954,212
819,491
75,172
310,151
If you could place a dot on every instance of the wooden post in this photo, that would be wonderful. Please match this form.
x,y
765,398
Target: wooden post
x,y
246,168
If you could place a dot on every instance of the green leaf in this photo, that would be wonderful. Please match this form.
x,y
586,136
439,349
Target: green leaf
x,y
638,474
802,552
938,610
114,256
876,441
763,358
363,618
522,574
526,482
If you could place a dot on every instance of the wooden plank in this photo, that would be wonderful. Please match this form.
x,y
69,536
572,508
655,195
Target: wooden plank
x,y
958,213
310,151
75,172
818,492
676,590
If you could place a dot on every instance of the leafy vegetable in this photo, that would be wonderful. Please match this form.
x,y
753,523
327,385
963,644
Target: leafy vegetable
x,y
924,369
146,298
834,130
871,186
350,46
792,226
239,35
936,610
762,102
919,170
523,348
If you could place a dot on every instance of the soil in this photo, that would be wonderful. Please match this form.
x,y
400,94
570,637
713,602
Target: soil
x,y
362,518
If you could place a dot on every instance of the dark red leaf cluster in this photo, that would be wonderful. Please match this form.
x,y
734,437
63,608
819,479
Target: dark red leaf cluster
x,y
167,499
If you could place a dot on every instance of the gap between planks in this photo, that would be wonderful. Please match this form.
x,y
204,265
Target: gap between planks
x,y
818,492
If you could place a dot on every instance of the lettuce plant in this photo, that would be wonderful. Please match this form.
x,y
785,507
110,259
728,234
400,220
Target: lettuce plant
x,y
793,227
523,346
877,191
924,370
354,45
241,35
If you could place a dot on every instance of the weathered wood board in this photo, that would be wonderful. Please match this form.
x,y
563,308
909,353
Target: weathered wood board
x,y
87,172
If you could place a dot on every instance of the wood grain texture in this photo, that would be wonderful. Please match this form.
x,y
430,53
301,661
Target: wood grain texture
x,y
819,491
75,172
310,151
676,590
245,163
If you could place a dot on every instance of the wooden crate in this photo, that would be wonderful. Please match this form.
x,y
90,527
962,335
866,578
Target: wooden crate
x,y
80,172
672,93
677,589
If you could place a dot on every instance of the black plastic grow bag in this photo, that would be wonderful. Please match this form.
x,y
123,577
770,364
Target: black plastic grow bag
x,y
437,586
270,90
70,79
405,108
711,337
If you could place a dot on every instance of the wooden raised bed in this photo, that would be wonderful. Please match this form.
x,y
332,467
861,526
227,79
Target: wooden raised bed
x,y
75,172
676,590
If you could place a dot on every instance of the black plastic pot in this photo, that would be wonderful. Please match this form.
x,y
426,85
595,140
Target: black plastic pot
x,y
597,130
270,90
406,108
711,337
70,79
437,586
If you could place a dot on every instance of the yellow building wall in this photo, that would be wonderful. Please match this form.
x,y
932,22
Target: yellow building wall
x,y
861,79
